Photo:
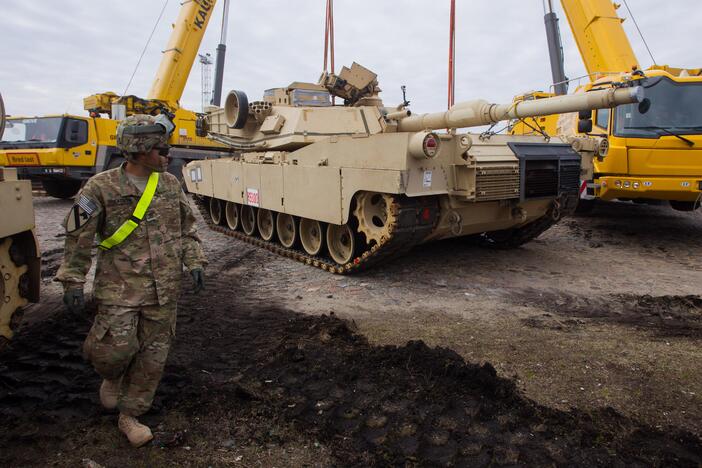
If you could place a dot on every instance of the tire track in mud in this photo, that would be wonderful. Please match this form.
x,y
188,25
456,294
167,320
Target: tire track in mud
x,y
662,316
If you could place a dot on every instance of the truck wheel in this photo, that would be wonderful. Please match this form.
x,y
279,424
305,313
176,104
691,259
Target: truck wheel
x,y
585,205
175,167
61,188
684,205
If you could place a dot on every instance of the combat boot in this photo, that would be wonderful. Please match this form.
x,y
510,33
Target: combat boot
x,y
109,393
137,433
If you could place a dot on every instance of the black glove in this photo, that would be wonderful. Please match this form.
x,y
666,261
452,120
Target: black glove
x,y
198,280
74,300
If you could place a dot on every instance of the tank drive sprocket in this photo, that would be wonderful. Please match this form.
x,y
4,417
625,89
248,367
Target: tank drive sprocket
x,y
10,298
376,214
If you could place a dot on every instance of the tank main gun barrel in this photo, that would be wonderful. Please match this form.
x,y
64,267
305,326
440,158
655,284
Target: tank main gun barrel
x,y
480,112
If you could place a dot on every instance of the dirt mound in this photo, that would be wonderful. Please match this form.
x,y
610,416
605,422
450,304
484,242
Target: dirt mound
x,y
271,368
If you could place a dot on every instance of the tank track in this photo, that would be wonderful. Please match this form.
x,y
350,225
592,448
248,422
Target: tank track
x,y
411,227
513,238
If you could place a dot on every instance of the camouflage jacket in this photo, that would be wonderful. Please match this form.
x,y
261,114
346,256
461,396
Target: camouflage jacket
x,y
144,269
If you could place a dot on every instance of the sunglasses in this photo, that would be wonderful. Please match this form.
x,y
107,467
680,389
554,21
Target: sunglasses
x,y
163,150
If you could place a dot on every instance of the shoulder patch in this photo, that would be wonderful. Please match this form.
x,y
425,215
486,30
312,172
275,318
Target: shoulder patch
x,y
80,213
87,204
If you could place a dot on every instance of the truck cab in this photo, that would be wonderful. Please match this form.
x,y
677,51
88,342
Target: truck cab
x,y
60,151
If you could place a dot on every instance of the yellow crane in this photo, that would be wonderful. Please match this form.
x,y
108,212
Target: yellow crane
x,y
62,151
656,155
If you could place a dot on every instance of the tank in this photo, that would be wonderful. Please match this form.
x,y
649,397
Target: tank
x,y
19,250
348,186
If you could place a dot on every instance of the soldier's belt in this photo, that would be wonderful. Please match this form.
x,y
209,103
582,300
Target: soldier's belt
x,y
131,224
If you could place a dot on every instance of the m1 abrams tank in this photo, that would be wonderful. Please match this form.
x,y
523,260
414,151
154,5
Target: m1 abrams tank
x,y
347,187
19,251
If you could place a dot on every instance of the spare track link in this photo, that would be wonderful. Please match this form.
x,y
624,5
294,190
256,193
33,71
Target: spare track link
x,y
416,218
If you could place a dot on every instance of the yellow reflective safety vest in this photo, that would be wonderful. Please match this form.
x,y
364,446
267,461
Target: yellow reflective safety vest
x,y
131,224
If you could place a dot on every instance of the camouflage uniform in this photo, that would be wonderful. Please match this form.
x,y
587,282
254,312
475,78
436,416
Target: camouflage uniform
x,y
137,282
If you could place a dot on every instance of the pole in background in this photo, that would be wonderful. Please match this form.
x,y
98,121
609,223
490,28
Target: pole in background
x,y
555,52
206,79
221,52
452,54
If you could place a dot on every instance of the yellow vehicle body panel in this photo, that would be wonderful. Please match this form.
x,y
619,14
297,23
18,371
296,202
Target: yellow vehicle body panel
x,y
647,187
598,32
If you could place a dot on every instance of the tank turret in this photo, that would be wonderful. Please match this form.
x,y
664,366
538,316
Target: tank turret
x,y
345,187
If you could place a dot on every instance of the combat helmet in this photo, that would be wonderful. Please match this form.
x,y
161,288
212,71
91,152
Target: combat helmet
x,y
140,133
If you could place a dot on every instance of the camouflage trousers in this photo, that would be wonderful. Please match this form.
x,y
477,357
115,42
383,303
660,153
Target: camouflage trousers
x,y
131,344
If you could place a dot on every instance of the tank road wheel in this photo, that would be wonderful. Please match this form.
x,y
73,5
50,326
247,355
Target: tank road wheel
x,y
10,299
266,224
341,243
231,213
248,220
311,236
375,216
286,227
216,211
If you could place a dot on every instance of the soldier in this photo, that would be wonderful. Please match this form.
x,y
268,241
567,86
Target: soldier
x,y
146,231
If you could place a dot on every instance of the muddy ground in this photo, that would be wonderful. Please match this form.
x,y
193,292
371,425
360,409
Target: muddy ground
x,y
581,348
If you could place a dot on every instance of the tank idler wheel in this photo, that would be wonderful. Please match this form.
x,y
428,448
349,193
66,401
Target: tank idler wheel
x,y
266,224
286,227
231,213
248,220
341,243
311,236
10,298
375,216
216,211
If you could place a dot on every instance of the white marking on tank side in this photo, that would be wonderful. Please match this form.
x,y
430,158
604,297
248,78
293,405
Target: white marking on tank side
x,y
427,179
252,197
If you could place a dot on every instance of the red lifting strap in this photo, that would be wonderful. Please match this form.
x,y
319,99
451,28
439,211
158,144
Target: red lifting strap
x,y
452,54
329,35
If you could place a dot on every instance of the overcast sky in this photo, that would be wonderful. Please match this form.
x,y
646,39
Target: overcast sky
x,y
55,52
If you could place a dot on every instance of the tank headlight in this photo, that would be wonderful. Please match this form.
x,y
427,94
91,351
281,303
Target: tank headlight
x,y
627,184
424,145
618,183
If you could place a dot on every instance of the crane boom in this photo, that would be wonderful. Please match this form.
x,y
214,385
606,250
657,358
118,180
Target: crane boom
x,y
180,54
601,39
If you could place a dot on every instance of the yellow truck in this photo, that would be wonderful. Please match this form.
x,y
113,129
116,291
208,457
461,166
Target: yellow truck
x,y
656,155
62,151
